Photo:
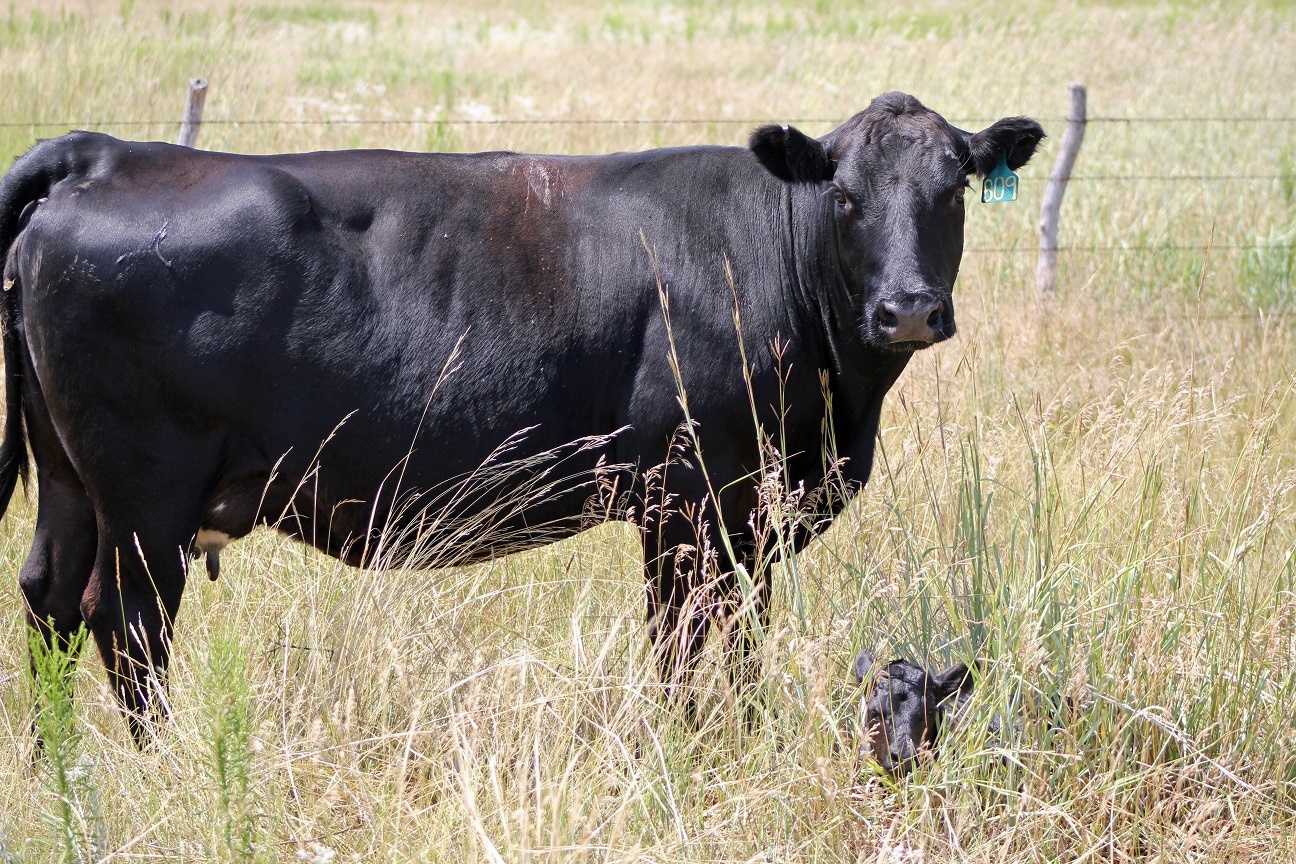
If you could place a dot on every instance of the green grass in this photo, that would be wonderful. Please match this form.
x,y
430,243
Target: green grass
x,y
1095,494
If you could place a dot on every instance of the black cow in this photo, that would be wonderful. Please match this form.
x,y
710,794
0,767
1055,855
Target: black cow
x,y
456,351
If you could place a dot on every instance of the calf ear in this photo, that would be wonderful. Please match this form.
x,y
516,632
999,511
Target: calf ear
x,y
955,679
862,668
1014,138
790,155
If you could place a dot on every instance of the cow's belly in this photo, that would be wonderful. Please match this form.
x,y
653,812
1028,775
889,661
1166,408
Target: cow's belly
x,y
385,484
380,442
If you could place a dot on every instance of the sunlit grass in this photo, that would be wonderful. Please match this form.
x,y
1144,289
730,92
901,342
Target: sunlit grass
x,y
1094,494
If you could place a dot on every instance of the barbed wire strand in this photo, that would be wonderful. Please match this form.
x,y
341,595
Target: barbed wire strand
x,y
1195,178
576,121
1149,247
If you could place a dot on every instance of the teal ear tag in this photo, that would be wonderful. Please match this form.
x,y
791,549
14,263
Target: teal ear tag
x,y
1000,184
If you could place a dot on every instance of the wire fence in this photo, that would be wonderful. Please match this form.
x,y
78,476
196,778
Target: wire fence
x,y
1141,247
1195,178
676,121
687,121
578,121
1115,248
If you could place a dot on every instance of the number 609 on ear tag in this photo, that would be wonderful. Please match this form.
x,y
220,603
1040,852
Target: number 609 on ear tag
x,y
1000,184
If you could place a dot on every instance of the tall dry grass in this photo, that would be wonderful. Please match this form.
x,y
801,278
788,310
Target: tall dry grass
x,y
1094,493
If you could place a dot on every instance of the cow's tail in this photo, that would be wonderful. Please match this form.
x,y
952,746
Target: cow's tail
x,y
26,183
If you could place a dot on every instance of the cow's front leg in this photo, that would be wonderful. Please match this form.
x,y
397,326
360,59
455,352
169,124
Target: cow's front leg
x,y
678,617
701,569
746,617
687,569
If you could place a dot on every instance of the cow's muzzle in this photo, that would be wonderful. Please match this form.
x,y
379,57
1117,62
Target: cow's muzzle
x,y
915,322
900,761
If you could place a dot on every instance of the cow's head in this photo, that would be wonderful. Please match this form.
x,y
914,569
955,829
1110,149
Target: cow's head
x,y
904,706
894,178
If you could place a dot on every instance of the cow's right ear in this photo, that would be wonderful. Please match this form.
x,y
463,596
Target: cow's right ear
x,y
862,668
791,155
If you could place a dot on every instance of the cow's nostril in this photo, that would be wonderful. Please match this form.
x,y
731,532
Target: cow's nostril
x,y
886,317
933,320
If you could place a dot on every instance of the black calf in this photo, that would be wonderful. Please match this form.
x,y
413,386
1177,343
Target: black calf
x,y
907,707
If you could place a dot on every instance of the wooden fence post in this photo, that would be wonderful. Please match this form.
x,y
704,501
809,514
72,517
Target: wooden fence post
x,y
1050,210
192,121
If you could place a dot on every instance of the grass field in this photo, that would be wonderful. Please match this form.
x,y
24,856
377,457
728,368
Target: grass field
x,y
1095,493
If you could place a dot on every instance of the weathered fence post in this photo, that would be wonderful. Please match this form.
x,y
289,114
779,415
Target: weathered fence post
x,y
192,121
1046,277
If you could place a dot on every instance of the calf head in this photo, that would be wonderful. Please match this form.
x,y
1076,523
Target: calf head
x,y
905,707
892,180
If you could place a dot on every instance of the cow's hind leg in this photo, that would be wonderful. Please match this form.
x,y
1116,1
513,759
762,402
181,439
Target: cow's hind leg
x,y
57,568
130,606
62,555
55,574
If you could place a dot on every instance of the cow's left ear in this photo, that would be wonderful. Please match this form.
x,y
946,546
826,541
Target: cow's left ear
x,y
1014,138
790,155
955,679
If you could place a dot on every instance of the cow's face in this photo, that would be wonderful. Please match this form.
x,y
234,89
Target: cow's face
x,y
895,179
903,706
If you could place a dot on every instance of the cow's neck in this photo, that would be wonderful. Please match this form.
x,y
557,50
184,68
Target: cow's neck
x,y
859,375
818,285
857,407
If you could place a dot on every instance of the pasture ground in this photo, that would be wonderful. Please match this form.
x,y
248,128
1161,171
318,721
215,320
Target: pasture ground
x,y
1095,493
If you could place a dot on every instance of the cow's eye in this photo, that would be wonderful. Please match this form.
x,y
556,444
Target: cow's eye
x,y
840,196
960,191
